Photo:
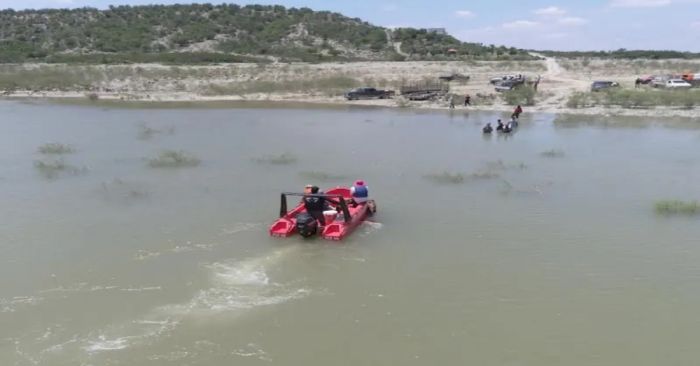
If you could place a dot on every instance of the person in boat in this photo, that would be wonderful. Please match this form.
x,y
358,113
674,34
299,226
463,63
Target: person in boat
x,y
507,129
359,192
500,126
487,128
315,204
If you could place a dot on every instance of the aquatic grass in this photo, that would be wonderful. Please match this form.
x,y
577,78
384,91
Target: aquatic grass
x,y
120,189
677,207
173,159
282,159
446,178
52,169
501,165
460,178
507,188
146,132
321,176
55,148
553,153
483,174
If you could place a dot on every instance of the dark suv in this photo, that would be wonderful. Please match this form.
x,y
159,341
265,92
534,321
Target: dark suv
x,y
601,85
368,93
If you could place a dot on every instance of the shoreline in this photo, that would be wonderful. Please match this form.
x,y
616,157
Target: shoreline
x,y
310,100
324,84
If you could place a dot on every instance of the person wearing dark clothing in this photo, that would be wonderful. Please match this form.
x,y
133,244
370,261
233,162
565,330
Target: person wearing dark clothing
x,y
637,83
487,128
467,100
315,204
500,126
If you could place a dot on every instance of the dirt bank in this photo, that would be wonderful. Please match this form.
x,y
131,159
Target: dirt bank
x,y
325,83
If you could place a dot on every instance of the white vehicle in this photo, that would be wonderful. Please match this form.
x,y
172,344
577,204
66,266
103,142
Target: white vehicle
x,y
677,84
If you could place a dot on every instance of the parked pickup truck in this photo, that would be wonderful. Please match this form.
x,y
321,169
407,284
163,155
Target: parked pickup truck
x,y
368,93
501,79
509,85
677,84
602,85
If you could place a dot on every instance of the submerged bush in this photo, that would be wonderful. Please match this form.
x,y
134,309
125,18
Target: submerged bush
x,y
501,165
146,132
446,178
173,159
676,207
56,148
554,153
282,159
52,169
458,178
121,190
483,174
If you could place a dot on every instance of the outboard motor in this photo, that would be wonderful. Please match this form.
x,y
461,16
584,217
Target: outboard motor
x,y
307,226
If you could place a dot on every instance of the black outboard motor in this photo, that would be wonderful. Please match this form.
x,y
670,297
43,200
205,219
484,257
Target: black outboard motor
x,y
307,226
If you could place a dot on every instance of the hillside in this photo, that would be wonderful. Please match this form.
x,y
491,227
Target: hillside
x,y
219,33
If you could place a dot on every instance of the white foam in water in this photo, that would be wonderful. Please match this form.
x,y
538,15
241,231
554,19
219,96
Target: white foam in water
x,y
104,344
11,305
241,227
142,331
236,287
252,350
369,227
252,274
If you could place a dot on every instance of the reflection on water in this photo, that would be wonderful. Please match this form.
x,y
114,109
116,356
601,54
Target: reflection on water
x,y
534,248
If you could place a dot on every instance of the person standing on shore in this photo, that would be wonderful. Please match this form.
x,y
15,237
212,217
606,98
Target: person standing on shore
x,y
467,100
452,101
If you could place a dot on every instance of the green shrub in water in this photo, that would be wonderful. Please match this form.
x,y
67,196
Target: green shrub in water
x,y
55,148
676,207
173,159
446,178
484,174
282,159
554,153
51,169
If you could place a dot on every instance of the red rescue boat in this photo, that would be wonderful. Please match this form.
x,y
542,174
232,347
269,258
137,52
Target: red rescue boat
x,y
340,219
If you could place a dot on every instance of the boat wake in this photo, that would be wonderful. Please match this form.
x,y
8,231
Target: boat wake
x,y
237,287
369,227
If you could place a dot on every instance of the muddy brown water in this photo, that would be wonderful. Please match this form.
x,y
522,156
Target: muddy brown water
x,y
541,248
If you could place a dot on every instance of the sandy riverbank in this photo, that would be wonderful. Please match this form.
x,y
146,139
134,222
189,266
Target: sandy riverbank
x,y
325,83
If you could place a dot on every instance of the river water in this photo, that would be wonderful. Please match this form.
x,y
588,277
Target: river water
x,y
542,248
